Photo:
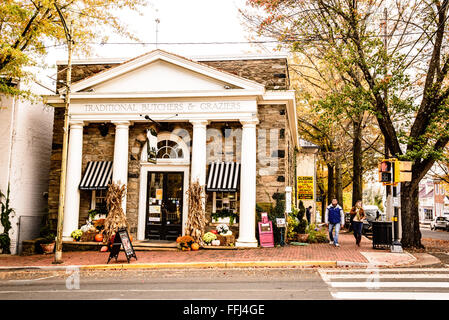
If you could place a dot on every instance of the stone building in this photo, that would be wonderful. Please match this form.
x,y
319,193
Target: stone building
x,y
228,122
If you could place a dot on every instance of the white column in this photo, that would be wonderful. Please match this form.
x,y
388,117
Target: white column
x,y
120,164
247,220
72,193
198,168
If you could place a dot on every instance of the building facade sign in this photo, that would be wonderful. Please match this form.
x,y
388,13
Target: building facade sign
x,y
163,107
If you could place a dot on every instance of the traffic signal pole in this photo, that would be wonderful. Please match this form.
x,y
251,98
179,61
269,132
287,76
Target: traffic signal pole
x,y
390,176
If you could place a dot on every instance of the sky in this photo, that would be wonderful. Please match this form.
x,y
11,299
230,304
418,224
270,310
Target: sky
x,y
181,21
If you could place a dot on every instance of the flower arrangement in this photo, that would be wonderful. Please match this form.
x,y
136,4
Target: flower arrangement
x,y
76,234
185,242
223,230
208,237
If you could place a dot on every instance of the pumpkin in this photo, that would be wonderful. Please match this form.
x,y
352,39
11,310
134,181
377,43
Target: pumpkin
x,y
99,237
195,246
104,248
178,239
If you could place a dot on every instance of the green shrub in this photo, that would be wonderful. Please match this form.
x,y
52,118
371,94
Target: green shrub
x,y
293,223
6,211
5,242
316,235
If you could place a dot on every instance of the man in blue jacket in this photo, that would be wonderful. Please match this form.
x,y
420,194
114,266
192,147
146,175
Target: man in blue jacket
x,y
334,218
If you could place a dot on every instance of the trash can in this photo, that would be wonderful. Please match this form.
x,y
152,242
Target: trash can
x,y
381,234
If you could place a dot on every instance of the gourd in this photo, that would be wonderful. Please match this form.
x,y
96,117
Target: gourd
x,y
216,242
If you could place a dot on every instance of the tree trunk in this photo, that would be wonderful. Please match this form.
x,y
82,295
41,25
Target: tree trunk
x,y
411,235
357,173
339,183
330,183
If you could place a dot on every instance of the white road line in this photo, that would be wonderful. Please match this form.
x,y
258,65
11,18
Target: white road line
x,y
388,276
378,284
30,280
391,295
152,290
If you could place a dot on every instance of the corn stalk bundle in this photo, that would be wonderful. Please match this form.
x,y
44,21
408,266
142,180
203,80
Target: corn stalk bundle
x,y
116,218
196,219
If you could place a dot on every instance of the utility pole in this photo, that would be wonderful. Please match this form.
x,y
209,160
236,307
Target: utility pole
x,y
70,42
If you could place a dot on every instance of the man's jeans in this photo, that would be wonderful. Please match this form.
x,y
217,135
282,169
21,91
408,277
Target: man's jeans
x,y
337,230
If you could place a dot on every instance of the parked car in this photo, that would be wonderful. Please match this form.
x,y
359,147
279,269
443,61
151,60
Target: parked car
x,y
439,223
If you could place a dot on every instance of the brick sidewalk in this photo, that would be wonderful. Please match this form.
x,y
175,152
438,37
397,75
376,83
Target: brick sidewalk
x,y
348,251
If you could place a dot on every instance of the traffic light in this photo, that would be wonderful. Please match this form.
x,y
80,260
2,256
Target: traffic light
x,y
386,171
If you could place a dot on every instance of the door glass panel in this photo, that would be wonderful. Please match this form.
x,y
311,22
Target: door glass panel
x,y
155,198
164,205
173,200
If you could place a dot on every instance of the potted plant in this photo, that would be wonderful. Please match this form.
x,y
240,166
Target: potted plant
x,y
224,216
184,242
48,243
208,237
100,212
47,237
76,234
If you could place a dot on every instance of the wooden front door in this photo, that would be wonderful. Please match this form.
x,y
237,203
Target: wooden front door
x,y
164,205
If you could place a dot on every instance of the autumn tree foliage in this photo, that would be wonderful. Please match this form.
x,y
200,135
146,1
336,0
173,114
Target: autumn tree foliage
x,y
29,27
393,56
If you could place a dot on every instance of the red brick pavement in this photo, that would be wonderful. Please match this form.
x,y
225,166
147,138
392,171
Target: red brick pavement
x,y
348,251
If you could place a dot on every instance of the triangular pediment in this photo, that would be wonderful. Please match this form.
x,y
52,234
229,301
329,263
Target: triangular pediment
x,y
160,71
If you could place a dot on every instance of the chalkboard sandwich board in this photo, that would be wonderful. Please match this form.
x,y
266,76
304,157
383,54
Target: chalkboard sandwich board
x,y
122,238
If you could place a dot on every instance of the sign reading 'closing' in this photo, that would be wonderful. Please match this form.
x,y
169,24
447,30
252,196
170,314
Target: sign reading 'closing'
x,y
305,188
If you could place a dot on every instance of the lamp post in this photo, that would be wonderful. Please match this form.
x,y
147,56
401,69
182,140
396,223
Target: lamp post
x,y
70,42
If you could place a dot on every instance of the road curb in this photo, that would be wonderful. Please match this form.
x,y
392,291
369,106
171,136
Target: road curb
x,y
184,265
206,264
217,264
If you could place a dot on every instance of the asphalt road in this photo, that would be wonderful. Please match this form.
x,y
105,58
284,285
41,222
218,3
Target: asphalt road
x,y
435,234
228,284
224,284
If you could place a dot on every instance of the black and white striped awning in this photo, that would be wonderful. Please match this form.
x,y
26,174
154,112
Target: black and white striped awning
x,y
223,176
97,176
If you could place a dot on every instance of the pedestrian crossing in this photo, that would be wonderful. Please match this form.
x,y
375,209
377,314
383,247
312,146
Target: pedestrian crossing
x,y
390,284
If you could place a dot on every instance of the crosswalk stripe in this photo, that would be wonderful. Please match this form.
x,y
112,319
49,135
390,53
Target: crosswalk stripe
x,y
370,295
379,284
414,282
388,276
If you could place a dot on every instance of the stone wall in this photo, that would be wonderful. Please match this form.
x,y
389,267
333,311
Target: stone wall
x,y
274,165
55,164
95,148
273,73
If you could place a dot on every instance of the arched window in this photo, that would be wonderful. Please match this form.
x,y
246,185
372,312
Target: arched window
x,y
171,148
